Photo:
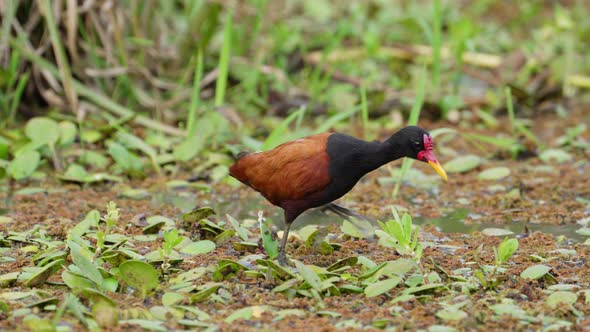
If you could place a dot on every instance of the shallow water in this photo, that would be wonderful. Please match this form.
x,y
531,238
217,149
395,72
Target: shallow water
x,y
453,222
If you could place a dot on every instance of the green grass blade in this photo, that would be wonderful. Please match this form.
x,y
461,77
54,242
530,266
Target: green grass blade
x,y
18,92
330,122
11,7
365,111
93,96
221,83
436,44
510,107
195,99
58,49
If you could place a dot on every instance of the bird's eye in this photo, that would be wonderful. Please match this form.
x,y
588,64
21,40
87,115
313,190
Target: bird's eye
x,y
417,143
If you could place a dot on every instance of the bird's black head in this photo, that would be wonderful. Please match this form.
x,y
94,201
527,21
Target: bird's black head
x,y
416,143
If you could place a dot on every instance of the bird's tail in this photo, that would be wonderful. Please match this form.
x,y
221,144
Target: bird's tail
x,y
241,155
344,212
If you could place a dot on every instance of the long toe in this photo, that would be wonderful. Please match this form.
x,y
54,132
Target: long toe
x,y
282,259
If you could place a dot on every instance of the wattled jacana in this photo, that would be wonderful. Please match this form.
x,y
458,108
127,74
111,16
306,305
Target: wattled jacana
x,y
316,170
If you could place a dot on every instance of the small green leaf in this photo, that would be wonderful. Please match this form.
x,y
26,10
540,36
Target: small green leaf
x,y
462,164
285,285
349,261
557,155
506,249
561,297
382,286
44,273
42,130
139,275
496,232
106,314
508,309
83,259
7,279
151,325
430,288
441,328
94,159
204,294
243,313
281,314
68,132
242,232
535,272
126,160
188,149
281,272
198,214
495,173
133,142
351,230
198,248
451,314
269,242
24,164
309,275
75,281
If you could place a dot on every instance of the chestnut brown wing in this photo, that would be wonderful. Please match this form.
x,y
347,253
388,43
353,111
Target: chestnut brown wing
x,y
290,171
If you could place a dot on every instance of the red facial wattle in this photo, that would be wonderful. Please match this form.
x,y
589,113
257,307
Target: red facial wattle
x,y
427,155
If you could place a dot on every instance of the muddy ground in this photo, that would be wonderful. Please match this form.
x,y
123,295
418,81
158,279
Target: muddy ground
x,y
551,196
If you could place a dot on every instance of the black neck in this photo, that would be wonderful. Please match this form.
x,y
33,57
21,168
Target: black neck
x,y
378,154
351,156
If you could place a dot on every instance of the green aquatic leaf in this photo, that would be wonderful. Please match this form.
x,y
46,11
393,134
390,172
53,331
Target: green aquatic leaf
x,y
240,230
496,232
451,314
559,298
508,309
24,165
139,275
83,259
67,133
382,286
204,293
345,262
42,130
535,272
198,248
7,279
505,250
557,155
198,214
494,174
106,314
285,286
309,275
269,241
127,160
39,278
462,164
151,325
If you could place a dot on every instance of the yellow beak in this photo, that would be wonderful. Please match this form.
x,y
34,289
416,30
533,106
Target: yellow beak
x,y
438,168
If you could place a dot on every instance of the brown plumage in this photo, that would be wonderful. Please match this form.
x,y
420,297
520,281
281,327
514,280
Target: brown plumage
x,y
287,165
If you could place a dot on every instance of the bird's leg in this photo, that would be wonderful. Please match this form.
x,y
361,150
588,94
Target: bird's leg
x,y
282,255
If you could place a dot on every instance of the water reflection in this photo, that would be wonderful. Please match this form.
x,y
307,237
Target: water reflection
x,y
453,222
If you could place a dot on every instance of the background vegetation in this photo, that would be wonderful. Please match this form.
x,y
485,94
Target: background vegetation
x,y
118,91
